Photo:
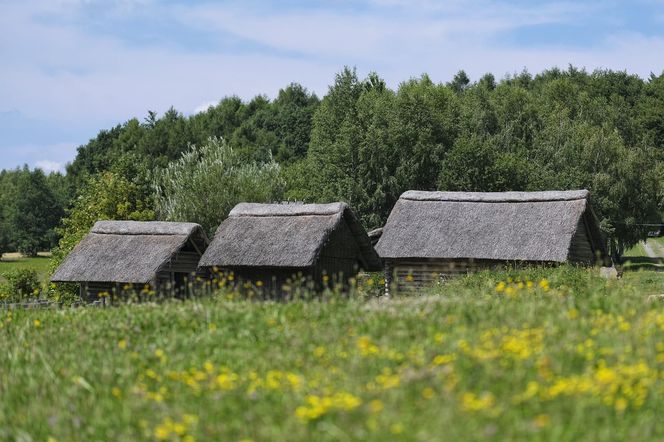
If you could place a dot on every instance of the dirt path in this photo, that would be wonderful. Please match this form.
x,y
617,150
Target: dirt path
x,y
656,248
649,251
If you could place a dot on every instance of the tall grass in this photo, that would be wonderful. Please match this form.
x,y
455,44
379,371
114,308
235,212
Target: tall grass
x,y
542,354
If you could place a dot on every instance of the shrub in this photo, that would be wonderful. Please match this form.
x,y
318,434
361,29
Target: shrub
x,y
21,284
208,181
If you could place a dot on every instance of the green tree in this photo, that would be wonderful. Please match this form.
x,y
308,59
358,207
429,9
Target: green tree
x,y
32,213
293,111
4,236
207,181
460,82
426,126
107,196
334,151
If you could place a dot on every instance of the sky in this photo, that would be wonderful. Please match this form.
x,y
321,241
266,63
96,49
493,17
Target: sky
x,y
69,68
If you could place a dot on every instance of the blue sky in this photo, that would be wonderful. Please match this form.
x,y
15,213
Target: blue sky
x,y
69,68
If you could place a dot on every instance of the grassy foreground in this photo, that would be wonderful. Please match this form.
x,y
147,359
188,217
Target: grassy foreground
x,y
546,355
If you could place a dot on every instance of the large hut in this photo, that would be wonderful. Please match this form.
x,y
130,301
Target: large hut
x,y
117,256
269,244
430,236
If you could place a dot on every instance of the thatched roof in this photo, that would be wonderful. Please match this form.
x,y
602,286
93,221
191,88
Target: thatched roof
x,y
519,226
283,235
374,235
126,251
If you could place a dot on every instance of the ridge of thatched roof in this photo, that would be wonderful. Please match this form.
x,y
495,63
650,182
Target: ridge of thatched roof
x,y
144,228
287,209
512,226
497,197
126,251
282,235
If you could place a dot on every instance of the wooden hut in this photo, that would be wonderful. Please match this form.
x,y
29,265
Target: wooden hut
x,y
118,256
269,244
433,235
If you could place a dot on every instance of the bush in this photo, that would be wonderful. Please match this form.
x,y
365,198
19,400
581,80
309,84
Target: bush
x,y
21,284
208,181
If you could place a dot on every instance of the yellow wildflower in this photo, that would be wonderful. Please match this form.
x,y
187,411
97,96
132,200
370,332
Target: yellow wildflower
x,y
366,347
376,406
162,432
442,359
428,393
471,402
542,420
179,428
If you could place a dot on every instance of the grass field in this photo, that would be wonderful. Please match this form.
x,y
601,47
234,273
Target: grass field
x,y
636,251
546,355
14,261
637,258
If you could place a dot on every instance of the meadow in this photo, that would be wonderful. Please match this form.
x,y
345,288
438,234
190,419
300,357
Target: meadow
x,y
541,354
14,261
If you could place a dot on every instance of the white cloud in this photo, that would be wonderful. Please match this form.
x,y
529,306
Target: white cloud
x,y
48,157
50,166
205,106
60,72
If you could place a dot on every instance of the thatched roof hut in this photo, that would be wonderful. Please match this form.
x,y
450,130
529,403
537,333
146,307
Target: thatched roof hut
x,y
455,232
161,254
272,242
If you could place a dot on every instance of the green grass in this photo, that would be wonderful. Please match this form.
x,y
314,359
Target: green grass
x,y
636,258
572,358
658,239
14,261
637,250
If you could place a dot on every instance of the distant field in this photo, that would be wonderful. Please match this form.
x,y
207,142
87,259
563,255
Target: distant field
x,y
636,251
13,261
637,258
547,354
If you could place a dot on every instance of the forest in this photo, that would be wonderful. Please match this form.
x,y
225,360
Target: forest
x,y
363,143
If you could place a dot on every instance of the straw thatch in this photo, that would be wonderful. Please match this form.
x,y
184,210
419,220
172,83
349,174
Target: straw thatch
x,y
506,226
127,251
283,235
374,235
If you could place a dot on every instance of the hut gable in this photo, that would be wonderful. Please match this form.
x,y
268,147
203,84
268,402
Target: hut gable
x,y
284,236
128,251
501,226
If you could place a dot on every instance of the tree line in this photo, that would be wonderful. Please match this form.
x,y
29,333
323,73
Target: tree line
x,y
31,206
365,143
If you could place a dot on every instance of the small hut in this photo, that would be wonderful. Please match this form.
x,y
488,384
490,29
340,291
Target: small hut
x,y
433,235
269,244
118,256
